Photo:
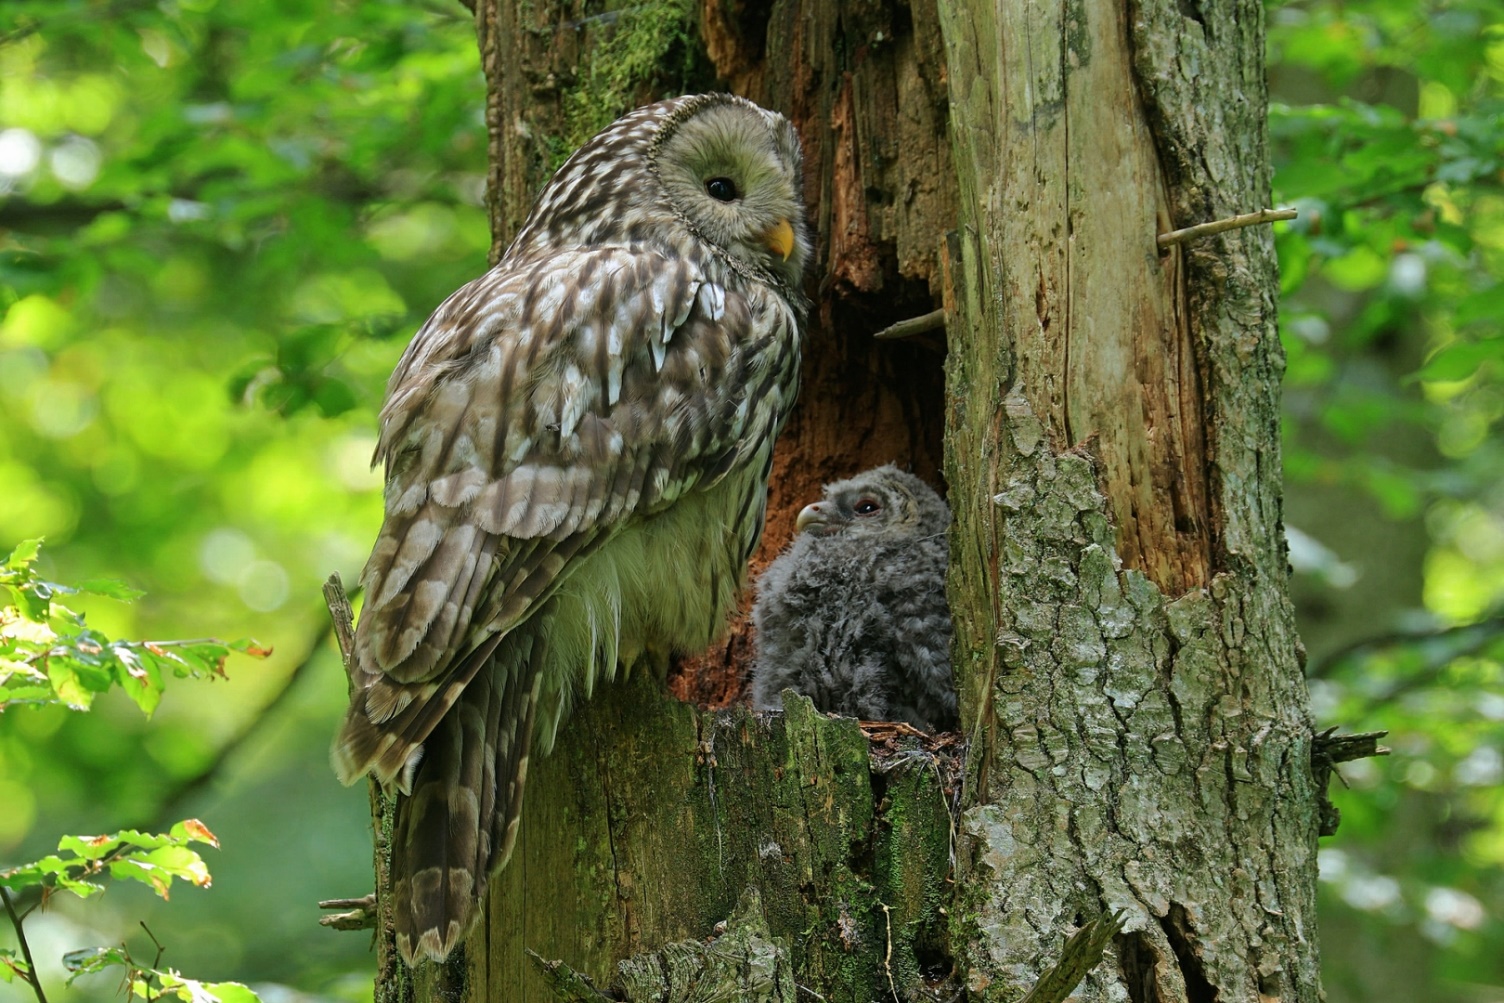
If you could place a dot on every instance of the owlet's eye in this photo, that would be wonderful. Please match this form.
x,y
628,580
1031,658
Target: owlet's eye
x,y
722,189
867,506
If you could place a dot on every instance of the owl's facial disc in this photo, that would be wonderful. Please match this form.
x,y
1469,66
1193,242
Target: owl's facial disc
x,y
732,169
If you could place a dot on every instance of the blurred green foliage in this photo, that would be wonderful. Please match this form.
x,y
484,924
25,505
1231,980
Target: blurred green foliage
x,y
220,222
49,655
1388,134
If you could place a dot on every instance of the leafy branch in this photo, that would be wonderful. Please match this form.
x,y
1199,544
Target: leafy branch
x,y
79,865
154,859
151,982
49,655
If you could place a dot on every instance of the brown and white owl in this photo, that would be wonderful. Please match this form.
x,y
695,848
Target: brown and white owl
x,y
853,614
577,446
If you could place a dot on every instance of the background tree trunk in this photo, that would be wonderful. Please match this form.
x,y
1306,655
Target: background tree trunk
x,y
1125,649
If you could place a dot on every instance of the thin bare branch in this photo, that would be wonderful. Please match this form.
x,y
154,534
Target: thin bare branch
x,y
932,321
359,914
1222,225
31,966
343,617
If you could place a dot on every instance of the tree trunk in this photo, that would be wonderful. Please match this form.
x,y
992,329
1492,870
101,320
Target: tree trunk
x,y
1126,647
1131,699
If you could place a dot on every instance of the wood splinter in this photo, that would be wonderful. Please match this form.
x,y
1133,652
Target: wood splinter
x,y
343,618
1221,225
932,321
361,914
1328,749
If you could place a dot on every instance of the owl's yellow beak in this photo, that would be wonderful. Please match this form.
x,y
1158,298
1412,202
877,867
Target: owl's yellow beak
x,y
779,239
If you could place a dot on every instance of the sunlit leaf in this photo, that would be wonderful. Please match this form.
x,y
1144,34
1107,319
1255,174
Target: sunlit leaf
x,y
1458,361
89,960
111,588
23,554
12,966
63,673
193,829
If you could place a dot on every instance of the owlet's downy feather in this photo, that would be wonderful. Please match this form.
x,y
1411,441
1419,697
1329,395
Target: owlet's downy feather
x,y
853,613
577,447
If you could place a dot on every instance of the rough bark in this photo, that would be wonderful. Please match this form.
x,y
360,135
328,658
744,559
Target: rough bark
x,y
1135,714
1127,651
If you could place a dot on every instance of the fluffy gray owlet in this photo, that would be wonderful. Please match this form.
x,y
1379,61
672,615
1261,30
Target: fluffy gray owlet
x,y
577,447
853,613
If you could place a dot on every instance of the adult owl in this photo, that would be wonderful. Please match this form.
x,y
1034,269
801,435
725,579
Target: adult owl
x,y
577,446
853,613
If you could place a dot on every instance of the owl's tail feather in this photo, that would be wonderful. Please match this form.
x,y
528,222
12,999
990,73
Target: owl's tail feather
x,y
460,823
387,746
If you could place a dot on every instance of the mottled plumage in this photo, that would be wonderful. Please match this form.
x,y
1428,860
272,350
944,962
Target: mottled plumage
x,y
853,613
577,447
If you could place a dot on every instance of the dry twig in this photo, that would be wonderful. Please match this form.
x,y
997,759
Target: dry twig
x,y
1221,225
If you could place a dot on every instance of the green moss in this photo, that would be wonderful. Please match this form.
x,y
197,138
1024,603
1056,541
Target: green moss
x,y
645,49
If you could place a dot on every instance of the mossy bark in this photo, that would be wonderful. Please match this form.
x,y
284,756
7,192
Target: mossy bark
x,y
1132,703
1126,648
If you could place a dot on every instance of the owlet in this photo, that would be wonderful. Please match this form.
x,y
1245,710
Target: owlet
x,y
853,613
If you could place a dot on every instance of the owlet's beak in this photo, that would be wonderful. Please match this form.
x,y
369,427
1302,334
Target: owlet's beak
x,y
779,238
812,518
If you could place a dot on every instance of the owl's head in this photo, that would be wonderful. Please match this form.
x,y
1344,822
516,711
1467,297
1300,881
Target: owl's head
x,y
732,171
713,169
882,502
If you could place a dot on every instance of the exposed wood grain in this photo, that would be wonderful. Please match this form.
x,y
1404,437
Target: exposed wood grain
x,y
864,84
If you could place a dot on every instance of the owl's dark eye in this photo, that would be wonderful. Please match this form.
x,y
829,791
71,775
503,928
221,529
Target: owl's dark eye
x,y
867,506
722,189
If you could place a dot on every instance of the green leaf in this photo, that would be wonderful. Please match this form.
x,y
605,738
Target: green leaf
x,y
159,867
142,681
24,553
10,670
205,992
89,960
32,874
91,847
192,830
110,588
246,646
1458,361
63,673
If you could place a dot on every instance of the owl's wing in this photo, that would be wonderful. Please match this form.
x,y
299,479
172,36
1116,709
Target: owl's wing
x,y
539,409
